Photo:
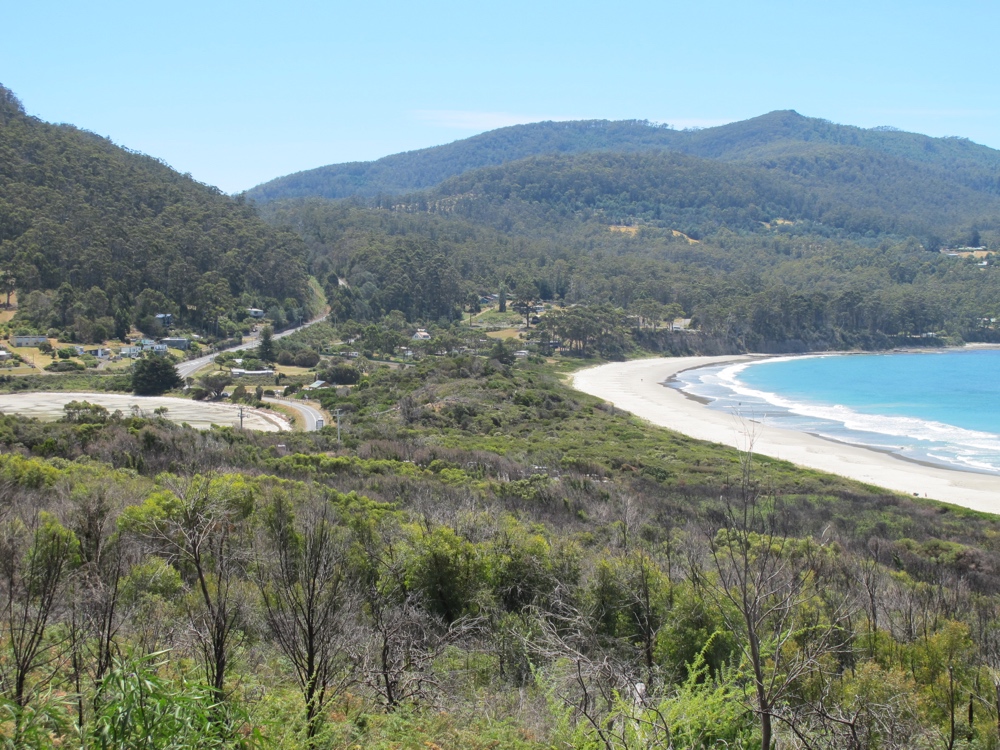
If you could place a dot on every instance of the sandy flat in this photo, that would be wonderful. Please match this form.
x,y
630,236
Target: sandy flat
x,y
637,387
199,414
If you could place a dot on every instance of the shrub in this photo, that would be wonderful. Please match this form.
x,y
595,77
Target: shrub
x,y
67,365
343,375
153,376
306,358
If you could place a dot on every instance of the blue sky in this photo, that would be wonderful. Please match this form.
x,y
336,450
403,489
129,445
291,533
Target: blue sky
x,y
239,92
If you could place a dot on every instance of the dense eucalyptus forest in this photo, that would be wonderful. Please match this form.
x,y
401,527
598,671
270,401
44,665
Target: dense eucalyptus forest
x,y
782,233
95,238
786,288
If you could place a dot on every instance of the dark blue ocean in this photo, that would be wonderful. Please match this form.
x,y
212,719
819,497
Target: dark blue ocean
x,y
942,407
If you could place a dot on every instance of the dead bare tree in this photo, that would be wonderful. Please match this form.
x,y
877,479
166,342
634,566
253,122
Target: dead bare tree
x,y
202,525
301,560
395,640
871,576
763,580
36,553
591,677
97,612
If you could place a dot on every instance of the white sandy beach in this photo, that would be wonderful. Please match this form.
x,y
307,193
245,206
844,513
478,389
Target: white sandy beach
x,y
637,387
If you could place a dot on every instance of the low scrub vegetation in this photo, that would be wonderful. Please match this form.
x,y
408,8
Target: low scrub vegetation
x,y
487,559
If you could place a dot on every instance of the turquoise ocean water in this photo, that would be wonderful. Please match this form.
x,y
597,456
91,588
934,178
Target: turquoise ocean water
x,y
941,407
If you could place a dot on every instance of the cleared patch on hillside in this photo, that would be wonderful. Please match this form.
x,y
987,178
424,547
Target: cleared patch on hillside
x,y
677,233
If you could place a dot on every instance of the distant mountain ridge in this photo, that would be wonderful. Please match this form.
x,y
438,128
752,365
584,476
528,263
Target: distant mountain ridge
x,y
767,140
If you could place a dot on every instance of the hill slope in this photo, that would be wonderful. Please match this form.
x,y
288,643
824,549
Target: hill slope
x,y
78,213
843,187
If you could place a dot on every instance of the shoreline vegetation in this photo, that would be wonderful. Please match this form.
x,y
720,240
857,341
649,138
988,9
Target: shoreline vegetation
x,y
640,387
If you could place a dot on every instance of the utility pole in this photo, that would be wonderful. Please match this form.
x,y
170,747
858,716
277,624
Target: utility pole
x,y
241,417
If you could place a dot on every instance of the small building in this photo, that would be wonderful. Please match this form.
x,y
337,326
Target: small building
x,y
421,335
28,340
680,324
522,353
5,355
314,385
237,372
254,312
130,351
176,342
98,351
165,319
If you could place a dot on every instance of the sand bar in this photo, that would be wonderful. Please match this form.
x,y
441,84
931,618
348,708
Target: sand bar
x,y
637,387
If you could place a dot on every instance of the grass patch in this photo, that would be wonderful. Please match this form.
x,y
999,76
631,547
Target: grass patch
x,y
505,333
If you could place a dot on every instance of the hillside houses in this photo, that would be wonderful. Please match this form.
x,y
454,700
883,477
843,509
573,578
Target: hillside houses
x,y
144,346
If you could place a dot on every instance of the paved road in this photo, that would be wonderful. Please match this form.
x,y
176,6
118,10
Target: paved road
x,y
309,414
190,367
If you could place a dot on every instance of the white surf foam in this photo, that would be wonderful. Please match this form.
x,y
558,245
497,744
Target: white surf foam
x,y
923,439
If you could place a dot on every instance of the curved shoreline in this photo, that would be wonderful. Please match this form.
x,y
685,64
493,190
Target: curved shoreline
x,y
638,387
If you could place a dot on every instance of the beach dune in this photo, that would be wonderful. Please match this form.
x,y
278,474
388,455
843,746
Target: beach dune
x,y
637,387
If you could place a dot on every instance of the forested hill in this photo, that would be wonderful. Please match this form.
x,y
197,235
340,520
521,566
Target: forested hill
x,y
843,187
78,213
428,167
772,140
